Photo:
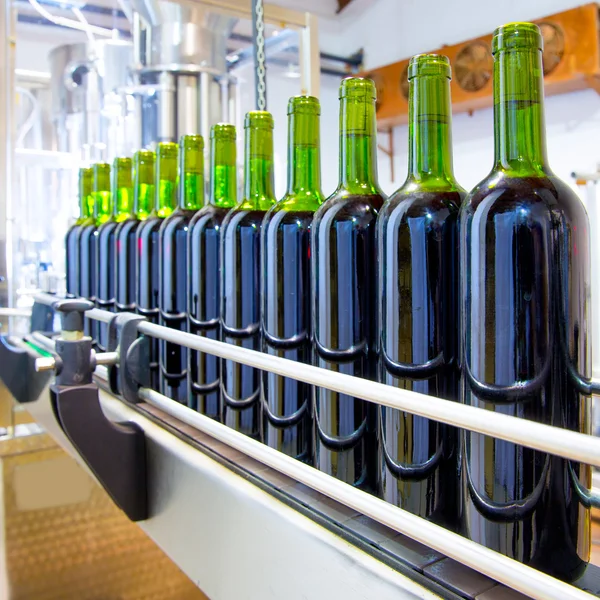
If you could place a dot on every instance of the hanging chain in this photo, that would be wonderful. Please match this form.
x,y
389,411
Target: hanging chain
x,y
259,55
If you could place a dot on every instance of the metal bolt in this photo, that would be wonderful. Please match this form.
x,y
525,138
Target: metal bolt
x,y
46,363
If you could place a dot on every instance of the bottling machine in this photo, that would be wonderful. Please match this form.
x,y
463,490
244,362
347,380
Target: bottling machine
x,y
239,518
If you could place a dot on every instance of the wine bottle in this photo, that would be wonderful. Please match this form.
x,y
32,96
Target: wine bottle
x,y
121,199
240,287
73,239
133,212
173,270
418,304
147,281
524,291
344,293
286,311
204,260
88,262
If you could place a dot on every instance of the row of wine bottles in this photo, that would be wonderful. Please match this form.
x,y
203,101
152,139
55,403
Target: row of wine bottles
x,y
480,298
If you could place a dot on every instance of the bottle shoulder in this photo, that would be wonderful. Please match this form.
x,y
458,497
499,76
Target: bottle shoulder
x,y
74,229
179,219
501,194
242,217
344,206
287,212
414,203
88,230
208,217
126,226
107,229
149,225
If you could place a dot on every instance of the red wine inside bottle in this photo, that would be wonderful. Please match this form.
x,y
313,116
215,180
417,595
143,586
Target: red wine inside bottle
x,y
240,284
241,317
203,305
147,260
204,259
525,285
287,404
344,289
418,350
72,242
125,236
286,315
105,298
173,303
174,273
72,257
87,271
418,301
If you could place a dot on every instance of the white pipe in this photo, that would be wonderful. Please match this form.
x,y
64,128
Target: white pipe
x,y
523,432
500,568
87,28
64,22
31,117
15,312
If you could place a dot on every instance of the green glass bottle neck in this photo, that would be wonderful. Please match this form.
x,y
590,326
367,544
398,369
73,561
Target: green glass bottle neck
x,y
191,196
144,190
223,186
103,204
258,169
304,162
86,198
429,133
519,131
358,147
166,186
123,196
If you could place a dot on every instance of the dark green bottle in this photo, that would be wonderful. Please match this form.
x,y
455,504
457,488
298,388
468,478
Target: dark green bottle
x,y
120,197
286,309
344,292
418,303
173,271
147,275
134,206
240,289
204,263
73,239
525,299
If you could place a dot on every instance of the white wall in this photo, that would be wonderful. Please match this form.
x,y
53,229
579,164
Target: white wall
x,y
391,30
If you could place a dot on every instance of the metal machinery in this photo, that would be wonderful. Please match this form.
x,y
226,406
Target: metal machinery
x,y
105,97
240,519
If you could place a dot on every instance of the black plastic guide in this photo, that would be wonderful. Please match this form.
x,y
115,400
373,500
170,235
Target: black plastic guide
x,y
114,452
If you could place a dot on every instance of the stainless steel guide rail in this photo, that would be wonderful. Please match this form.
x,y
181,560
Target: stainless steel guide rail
x,y
568,444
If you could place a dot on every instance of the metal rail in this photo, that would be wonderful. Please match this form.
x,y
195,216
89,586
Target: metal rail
x,y
553,440
505,570
15,312
568,444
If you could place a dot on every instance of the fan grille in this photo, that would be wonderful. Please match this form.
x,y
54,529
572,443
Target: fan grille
x,y
473,66
404,86
554,46
379,87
